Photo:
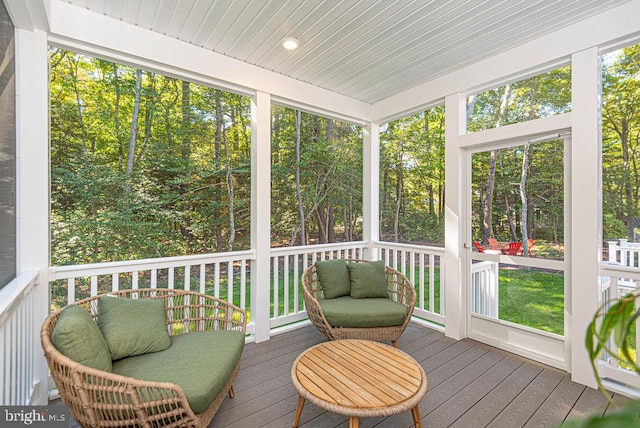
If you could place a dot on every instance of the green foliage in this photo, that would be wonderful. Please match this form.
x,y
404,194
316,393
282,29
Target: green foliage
x,y
161,188
330,176
614,324
625,416
191,151
544,188
543,95
620,139
412,179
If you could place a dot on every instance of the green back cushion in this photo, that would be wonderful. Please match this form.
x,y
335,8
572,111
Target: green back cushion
x,y
200,362
333,276
363,313
132,327
368,279
78,337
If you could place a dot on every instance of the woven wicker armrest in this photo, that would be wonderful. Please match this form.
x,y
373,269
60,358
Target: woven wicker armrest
x,y
200,312
311,293
99,398
400,290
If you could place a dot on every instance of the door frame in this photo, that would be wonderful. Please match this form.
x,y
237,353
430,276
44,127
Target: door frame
x,y
545,347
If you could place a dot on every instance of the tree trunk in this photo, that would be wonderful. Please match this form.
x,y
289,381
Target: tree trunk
x,y
626,168
523,198
399,194
471,103
134,124
512,224
486,212
232,225
303,238
488,200
216,180
116,122
73,68
186,128
148,119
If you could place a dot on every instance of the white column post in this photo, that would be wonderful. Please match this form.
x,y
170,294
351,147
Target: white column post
x,y
32,183
454,222
583,242
613,256
371,188
261,213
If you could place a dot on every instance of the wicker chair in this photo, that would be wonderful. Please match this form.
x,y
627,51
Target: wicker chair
x,y
400,290
97,398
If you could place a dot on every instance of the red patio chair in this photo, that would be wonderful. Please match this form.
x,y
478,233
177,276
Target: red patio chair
x,y
513,248
479,247
493,243
530,243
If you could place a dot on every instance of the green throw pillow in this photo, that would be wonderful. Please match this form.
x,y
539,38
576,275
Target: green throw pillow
x,y
132,327
78,337
333,276
368,279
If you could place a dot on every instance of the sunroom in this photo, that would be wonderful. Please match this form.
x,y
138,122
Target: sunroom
x,y
485,149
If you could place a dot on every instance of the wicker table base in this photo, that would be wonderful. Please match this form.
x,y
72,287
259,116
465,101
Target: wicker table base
x,y
359,378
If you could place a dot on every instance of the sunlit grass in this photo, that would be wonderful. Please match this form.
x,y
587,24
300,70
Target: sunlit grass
x,y
533,299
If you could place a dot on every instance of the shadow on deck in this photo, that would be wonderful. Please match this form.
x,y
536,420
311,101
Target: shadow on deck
x,y
470,384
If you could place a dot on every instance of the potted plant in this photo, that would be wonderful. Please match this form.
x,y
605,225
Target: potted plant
x,y
612,323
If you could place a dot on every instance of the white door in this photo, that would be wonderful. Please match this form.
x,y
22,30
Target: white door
x,y
515,243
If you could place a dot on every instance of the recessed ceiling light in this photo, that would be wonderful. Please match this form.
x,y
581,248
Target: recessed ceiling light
x,y
290,43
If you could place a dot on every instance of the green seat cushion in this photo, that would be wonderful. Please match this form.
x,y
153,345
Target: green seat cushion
x,y
132,327
78,337
368,279
363,313
333,276
200,362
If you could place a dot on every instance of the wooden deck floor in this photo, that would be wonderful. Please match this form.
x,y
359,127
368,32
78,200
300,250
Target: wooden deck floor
x,y
470,385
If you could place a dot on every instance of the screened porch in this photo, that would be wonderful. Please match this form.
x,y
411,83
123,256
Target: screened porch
x,y
415,90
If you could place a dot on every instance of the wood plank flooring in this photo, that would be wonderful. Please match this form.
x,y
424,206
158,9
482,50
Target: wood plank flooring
x,y
470,385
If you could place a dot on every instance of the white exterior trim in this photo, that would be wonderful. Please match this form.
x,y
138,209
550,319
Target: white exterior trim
x,y
261,212
543,54
583,253
371,188
32,180
454,221
86,31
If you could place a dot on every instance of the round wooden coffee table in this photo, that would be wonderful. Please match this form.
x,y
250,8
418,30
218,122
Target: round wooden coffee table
x,y
359,378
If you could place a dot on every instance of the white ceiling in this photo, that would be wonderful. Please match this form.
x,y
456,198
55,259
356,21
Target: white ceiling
x,y
365,49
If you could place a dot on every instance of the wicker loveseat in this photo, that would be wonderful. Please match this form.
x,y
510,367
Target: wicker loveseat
x,y
183,385
350,316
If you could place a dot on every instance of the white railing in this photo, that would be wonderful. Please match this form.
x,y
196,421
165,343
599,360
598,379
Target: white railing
x,y
19,341
223,275
625,253
287,267
424,266
485,288
229,274
616,281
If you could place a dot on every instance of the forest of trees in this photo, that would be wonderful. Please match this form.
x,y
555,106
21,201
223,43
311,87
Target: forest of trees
x,y
621,143
146,165
143,165
316,179
518,192
412,179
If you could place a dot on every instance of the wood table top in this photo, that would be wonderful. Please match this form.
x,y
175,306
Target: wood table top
x,y
359,374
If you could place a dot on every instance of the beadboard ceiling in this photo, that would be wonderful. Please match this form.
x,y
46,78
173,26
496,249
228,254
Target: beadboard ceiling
x,y
365,49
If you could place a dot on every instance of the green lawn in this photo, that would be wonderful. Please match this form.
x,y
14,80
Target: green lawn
x,y
532,298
